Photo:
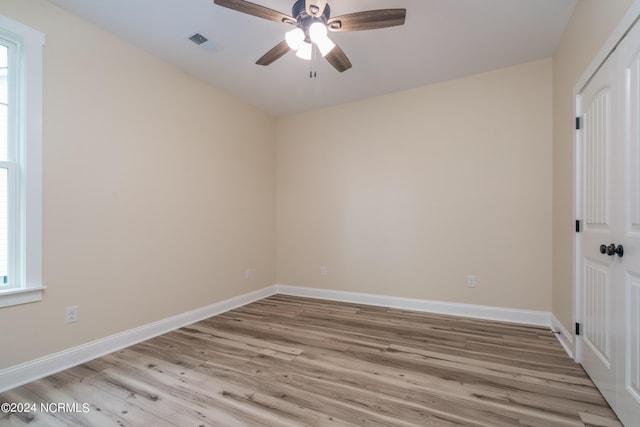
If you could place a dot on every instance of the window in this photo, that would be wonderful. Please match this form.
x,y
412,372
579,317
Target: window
x,y
20,163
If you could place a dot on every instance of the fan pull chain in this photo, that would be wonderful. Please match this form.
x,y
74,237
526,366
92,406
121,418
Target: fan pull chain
x,y
312,63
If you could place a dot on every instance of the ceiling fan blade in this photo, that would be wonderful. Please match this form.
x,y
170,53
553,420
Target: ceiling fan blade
x,y
255,10
315,7
276,53
368,20
338,59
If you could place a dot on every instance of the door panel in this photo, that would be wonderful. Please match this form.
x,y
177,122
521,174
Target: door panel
x,y
628,396
632,368
596,273
597,145
633,144
609,202
597,326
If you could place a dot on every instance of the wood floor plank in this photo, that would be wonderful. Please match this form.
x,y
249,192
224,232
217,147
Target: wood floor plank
x,y
172,384
293,361
464,395
320,375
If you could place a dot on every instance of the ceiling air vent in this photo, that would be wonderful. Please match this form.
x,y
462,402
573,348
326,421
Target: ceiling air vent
x,y
203,42
198,38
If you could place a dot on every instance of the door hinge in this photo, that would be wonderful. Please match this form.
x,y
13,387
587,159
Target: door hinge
x,y
578,123
577,328
578,226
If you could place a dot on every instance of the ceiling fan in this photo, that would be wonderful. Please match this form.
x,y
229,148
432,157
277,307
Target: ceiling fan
x,y
312,19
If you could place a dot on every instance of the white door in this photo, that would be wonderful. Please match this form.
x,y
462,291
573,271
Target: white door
x,y
609,247
595,145
628,266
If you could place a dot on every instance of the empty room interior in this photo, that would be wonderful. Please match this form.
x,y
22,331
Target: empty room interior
x,y
436,222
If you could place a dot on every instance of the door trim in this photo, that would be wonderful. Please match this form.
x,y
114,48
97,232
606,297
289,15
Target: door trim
x,y
565,337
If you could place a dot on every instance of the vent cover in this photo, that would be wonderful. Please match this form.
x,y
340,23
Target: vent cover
x,y
198,39
203,42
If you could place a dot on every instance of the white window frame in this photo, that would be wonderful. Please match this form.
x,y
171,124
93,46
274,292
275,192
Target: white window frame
x,y
25,260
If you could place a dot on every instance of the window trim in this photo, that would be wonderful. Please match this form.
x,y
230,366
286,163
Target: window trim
x,y
31,43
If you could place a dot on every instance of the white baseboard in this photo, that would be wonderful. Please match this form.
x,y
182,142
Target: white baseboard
x,y
23,373
565,338
526,317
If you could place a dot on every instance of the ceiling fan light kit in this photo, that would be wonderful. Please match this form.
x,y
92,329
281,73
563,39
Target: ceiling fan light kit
x,y
294,38
325,46
312,18
305,51
297,40
317,31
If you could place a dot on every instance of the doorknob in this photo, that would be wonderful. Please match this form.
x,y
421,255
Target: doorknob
x,y
612,250
619,250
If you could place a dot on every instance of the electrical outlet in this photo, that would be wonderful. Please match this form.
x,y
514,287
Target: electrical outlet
x,y
72,314
471,281
247,274
323,271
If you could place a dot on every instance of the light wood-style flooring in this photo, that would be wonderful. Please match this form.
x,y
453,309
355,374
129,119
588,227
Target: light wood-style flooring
x,y
290,361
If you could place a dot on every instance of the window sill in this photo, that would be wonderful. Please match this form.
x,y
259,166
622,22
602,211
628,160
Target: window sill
x,y
11,297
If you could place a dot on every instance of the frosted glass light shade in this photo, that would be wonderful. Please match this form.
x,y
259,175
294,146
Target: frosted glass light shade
x,y
325,45
317,32
318,35
304,51
294,38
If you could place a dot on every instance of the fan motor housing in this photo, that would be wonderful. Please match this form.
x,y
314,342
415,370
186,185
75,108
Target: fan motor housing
x,y
299,11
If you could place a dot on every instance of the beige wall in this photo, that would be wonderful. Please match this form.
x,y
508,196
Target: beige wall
x,y
158,190
592,23
409,193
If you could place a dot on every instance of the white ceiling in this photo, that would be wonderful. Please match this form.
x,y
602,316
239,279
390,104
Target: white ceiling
x,y
441,40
